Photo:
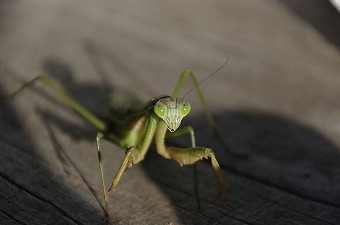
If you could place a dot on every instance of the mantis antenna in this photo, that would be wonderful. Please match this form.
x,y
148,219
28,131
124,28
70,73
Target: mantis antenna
x,y
212,73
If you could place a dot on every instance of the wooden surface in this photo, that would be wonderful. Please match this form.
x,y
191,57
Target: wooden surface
x,y
277,101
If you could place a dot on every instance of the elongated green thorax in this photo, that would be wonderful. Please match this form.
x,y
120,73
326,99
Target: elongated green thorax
x,y
171,111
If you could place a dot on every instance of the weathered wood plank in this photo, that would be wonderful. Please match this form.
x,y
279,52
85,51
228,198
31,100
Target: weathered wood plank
x,y
277,101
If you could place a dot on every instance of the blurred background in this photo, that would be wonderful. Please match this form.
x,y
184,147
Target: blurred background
x,y
277,101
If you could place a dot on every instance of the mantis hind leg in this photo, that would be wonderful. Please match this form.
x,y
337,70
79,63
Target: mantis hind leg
x,y
73,104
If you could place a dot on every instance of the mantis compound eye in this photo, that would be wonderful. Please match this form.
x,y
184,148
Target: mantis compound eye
x,y
160,109
186,107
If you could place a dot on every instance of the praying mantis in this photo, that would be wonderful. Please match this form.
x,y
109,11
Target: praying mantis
x,y
133,125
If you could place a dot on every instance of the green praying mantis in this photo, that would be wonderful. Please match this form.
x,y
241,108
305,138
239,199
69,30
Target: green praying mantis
x,y
133,125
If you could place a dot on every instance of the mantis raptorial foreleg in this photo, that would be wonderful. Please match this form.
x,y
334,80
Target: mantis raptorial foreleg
x,y
188,156
180,132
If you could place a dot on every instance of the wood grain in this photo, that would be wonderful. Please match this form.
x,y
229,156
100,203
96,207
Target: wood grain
x,y
276,102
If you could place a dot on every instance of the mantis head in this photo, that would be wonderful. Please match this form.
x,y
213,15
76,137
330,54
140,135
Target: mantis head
x,y
172,111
